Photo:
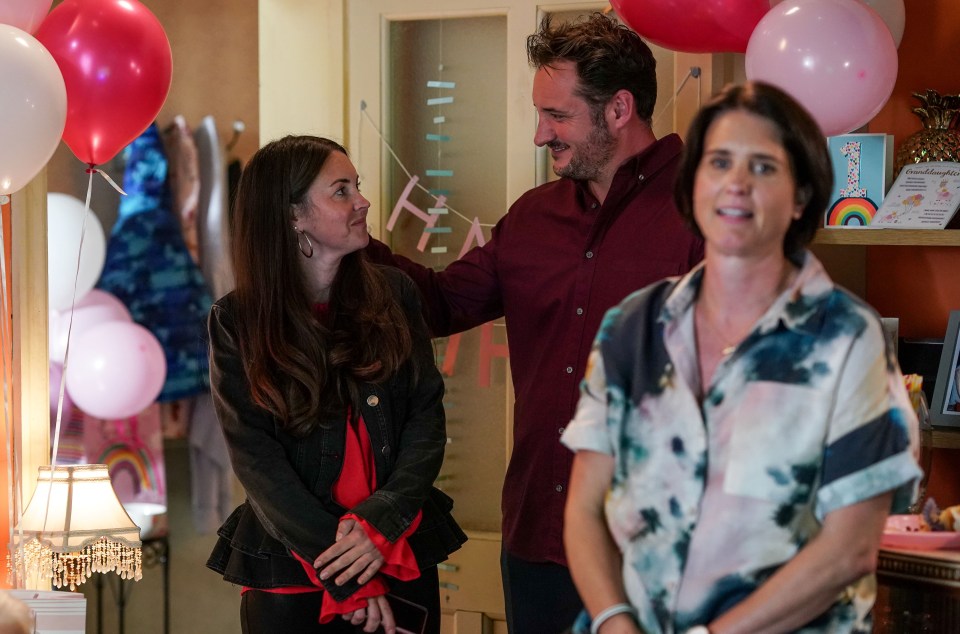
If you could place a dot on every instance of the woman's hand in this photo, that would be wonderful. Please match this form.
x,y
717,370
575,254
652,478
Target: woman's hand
x,y
353,554
376,613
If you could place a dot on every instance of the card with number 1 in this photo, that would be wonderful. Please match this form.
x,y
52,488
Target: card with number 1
x,y
862,170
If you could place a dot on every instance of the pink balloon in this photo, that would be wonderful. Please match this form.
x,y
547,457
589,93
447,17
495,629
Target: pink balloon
x,y
26,15
115,370
95,308
892,12
694,26
56,376
836,57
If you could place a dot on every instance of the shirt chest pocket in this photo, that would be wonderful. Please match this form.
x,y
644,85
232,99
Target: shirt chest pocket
x,y
776,445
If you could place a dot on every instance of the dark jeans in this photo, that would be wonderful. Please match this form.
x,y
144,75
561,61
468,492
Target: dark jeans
x,y
540,597
271,613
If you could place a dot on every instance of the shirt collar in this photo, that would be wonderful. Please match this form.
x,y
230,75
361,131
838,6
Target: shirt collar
x,y
641,166
797,308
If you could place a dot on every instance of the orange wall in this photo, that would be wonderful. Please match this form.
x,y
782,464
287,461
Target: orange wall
x,y
920,286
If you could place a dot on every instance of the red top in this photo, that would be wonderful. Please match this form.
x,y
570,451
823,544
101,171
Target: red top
x,y
357,481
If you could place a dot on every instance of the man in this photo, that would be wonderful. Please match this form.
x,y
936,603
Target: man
x,y
565,253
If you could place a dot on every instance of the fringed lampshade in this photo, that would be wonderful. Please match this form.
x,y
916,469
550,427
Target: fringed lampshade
x,y
75,526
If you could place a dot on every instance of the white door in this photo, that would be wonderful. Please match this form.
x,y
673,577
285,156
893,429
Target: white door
x,y
440,122
382,75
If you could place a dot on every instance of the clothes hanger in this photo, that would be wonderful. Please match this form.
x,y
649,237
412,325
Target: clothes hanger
x,y
238,127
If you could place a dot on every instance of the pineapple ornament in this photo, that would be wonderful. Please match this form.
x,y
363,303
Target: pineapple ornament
x,y
936,141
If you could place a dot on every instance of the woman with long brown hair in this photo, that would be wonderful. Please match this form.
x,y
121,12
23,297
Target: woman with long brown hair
x,y
325,385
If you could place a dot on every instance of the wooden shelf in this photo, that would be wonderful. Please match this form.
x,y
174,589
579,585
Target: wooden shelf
x,y
894,237
946,438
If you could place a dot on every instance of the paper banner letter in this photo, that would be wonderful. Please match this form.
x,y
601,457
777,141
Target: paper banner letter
x,y
474,235
450,354
404,204
489,350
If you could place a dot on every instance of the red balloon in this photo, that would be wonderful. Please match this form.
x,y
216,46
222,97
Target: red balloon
x,y
694,26
116,63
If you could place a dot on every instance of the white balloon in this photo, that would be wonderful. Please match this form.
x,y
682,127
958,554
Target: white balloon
x,y
33,105
65,221
894,16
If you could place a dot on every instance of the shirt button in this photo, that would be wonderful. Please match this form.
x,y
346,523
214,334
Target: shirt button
x,y
373,400
569,370
561,429
593,206
640,178
579,311
589,254
559,488
385,451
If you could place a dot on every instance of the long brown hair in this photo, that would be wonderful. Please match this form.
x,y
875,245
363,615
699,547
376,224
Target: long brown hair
x,y
299,369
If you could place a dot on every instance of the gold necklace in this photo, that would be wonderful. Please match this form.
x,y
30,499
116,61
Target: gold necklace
x,y
731,343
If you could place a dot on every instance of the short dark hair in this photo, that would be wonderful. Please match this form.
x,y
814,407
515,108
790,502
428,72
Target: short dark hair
x,y
801,137
608,55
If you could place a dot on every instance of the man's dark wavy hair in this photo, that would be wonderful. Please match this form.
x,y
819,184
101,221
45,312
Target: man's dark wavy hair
x,y
608,55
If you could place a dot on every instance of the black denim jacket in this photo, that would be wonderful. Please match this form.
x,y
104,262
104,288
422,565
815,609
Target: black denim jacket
x,y
288,480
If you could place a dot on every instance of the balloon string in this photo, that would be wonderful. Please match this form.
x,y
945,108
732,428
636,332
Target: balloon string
x,y
694,72
15,508
93,169
66,355
73,304
386,144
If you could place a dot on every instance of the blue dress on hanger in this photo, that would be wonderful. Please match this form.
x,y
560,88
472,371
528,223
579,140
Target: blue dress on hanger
x,y
149,269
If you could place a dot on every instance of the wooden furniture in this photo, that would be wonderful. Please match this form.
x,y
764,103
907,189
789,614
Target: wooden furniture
x,y
890,237
918,591
471,590
943,438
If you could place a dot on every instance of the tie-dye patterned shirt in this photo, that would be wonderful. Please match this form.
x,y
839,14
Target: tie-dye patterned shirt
x,y
809,414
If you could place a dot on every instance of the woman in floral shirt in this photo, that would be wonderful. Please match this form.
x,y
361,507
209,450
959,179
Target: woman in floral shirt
x,y
744,431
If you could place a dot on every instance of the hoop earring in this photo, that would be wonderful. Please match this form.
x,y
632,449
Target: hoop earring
x,y
308,252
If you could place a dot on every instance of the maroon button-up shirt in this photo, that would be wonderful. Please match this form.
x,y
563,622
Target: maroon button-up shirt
x,y
553,266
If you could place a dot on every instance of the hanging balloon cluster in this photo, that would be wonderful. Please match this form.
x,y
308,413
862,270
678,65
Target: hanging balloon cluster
x,y
96,74
838,58
116,65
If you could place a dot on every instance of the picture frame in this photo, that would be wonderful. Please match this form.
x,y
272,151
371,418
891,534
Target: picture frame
x,y
945,407
891,329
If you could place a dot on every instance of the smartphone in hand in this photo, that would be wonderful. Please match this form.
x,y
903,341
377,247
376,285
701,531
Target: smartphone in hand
x,y
411,618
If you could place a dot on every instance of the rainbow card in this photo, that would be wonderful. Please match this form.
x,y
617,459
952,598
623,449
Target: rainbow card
x,y
851,212
862,169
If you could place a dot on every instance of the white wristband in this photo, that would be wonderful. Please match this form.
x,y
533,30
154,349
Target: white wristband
x,y
613,610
